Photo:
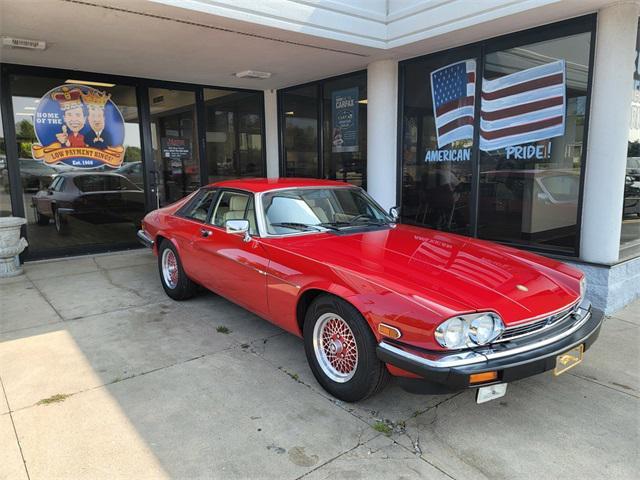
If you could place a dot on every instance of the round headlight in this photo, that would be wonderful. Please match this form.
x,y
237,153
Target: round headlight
x,y
453,333
583,287
485,328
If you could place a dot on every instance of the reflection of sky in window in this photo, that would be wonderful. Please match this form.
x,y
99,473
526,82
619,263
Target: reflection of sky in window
x,y
23,109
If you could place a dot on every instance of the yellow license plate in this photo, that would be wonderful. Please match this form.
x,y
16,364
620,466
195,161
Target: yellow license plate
x,y
569,359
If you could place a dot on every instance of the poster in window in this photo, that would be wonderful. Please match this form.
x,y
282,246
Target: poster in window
x,y
453,91
344,137
178,151
79,126
523,107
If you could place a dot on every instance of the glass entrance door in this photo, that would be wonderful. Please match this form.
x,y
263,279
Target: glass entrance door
x,y
174,144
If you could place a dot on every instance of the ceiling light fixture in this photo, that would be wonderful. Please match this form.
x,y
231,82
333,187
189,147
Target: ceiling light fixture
x,y
364,102
253,74
289,113
91,84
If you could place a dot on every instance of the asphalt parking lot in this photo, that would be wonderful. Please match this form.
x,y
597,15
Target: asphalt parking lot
x,y
103,376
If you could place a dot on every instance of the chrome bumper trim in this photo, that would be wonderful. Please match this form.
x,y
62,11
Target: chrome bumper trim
x,y
583,314
145,239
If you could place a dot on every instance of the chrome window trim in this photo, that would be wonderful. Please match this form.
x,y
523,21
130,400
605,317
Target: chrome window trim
x,y
484,355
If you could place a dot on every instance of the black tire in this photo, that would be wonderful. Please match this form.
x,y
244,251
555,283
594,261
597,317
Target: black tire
x,y
370,374
41,220
60,222
184,288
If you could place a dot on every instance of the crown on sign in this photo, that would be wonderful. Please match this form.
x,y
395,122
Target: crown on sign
x,y
68,98
94,98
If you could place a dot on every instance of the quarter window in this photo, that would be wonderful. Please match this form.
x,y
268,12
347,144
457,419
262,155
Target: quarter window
x,y
199,210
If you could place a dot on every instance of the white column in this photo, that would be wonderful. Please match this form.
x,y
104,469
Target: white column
x,y
271,132
382,132
608,132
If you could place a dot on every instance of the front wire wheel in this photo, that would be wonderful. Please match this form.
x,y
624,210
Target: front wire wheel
x,y
341,350
335,347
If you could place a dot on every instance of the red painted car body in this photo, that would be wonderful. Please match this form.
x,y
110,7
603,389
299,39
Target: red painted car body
x,y
407,277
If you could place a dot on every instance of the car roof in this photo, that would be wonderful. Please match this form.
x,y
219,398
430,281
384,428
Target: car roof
x,y
258,185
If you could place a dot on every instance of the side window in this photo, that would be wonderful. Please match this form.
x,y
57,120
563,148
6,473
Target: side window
x,y
235,206
60,184
199,210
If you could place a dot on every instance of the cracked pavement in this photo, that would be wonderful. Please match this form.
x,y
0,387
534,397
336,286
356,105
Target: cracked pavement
x,y
139,386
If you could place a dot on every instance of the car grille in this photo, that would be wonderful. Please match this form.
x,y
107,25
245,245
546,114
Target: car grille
x,y
538,325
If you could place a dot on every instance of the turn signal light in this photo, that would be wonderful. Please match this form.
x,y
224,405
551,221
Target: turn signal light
x,y
483,377
388,331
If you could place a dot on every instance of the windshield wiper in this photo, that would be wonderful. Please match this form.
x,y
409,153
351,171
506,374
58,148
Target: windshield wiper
x,y
303,226
358,223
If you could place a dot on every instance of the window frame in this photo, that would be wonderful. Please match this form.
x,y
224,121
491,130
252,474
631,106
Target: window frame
x,y
557,30
320,150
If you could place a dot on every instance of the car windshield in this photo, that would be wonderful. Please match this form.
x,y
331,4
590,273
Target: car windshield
x,y
320,209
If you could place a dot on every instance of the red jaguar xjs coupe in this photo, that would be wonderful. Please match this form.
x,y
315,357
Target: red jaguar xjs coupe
x,y
372,297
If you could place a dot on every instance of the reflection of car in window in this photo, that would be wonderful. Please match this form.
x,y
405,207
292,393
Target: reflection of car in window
x,y
35,175
133,171
95,198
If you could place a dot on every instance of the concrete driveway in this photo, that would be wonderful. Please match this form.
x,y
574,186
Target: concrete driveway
x,y
103,376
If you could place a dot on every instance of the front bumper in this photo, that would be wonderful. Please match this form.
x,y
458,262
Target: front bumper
x,y
512,360
145,239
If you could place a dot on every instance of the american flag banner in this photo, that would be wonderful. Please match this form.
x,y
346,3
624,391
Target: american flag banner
x,y
453,90
523,107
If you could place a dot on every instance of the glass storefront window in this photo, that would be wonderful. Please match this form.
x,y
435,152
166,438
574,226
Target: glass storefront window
x,y
300,125
5,189
174,143
325,129
438,141
71,135
531,142
630,232
345,129
493,137
234,134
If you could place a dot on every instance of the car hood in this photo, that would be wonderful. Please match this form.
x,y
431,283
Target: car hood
x,y
448,273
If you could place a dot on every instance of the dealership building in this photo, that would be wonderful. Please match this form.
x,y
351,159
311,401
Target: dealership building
x,y
510,121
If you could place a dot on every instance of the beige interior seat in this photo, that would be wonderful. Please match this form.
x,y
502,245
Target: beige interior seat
x,y
318,211
237,206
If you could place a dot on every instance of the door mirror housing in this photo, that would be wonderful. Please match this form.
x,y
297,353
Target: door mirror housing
x,y
238,227
395,213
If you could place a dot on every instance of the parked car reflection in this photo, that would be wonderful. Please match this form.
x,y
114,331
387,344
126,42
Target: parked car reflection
x,y
96,198
35,175
133,171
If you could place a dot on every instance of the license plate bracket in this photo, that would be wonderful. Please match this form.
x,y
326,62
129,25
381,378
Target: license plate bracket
x,y
569,359
491,392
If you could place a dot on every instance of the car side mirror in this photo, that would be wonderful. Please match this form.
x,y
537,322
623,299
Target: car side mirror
x,y
543,197
238,227
395,213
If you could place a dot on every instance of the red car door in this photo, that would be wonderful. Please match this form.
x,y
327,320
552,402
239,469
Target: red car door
x,y
235,268
190,226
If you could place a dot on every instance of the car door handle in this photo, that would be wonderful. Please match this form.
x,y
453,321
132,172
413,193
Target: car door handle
x,y
205,233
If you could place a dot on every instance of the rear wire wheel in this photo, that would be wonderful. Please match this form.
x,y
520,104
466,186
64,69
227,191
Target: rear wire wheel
x,y
175,282
341,350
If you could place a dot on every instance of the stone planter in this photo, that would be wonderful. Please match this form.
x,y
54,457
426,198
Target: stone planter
x,y
11,245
